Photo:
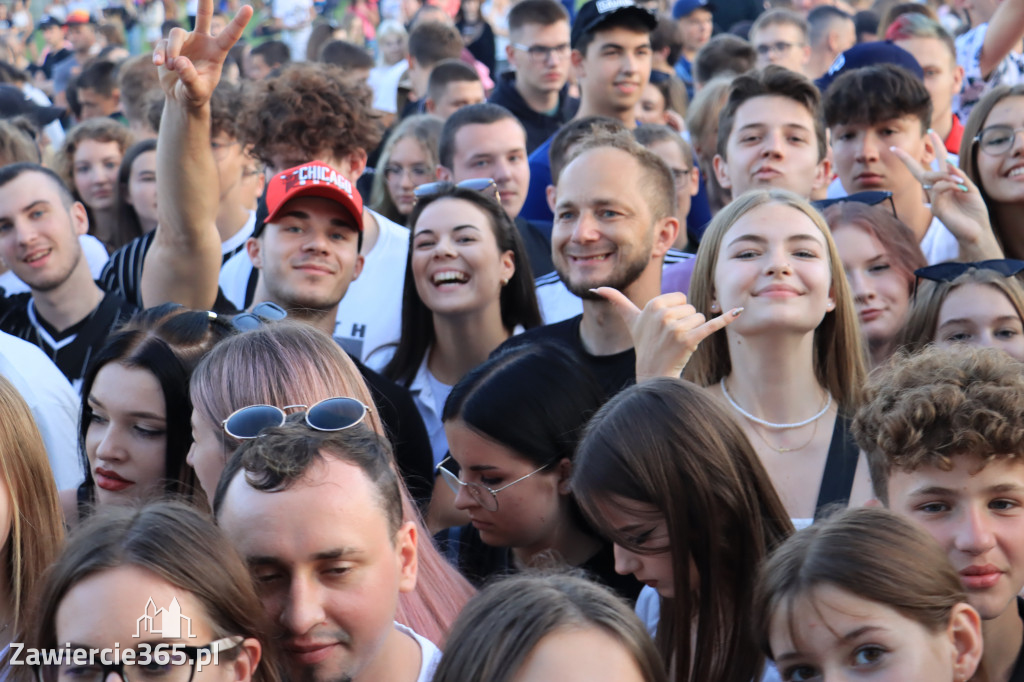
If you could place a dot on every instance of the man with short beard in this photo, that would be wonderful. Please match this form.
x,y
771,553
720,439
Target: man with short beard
x,y
614,223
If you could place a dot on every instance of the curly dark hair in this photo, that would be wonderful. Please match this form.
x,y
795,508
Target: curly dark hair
x,y
312,110
926,408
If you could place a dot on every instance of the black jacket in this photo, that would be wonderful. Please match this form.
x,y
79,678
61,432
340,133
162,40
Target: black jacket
x,y
539,127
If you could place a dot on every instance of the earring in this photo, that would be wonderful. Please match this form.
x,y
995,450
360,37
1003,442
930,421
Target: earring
x,y
504,282
714,307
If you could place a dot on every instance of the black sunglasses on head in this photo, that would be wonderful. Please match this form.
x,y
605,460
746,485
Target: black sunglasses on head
x,y
869,198
261,314
432,189
947,272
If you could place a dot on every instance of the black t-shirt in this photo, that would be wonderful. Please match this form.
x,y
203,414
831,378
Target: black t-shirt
x,y
479,562
72,348
1017,674
613,372
122,274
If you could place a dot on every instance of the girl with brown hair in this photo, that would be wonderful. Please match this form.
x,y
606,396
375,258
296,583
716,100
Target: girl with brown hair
x,y
665,472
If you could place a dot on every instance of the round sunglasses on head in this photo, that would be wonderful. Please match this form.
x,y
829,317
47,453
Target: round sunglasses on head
x,y
332,414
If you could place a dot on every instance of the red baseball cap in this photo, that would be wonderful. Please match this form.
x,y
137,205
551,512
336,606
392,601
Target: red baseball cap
x,y
313,179
79,17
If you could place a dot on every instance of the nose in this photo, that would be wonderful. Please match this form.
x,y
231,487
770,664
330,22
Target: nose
x,y
773,143
869,147
316,241
302,610
975,534
110,448
626,562
464,501
586,229
860,286
778,263
1018,143
406,179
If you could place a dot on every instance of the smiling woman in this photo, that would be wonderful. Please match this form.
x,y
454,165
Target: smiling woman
x,y
134,428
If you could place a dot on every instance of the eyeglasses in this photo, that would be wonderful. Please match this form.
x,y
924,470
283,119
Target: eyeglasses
x,y
432,189
997,140
169,663
261,314
332,414
779,46
418,174
869,198
541,53
481,494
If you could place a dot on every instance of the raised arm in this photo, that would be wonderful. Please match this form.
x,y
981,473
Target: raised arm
x,y
1004,32
184,261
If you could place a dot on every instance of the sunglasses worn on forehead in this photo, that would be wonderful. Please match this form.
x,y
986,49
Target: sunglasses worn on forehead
x,y
261,314
869,198
947,272
432,189
332,414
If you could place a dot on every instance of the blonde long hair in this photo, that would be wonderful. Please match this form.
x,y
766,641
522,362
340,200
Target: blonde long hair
x,y
37,524
839,356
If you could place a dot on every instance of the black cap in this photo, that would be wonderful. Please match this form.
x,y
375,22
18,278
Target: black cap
x,y
14,102
597,12
869,54
46,21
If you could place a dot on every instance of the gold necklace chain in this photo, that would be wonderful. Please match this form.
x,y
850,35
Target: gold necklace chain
x,y
760,435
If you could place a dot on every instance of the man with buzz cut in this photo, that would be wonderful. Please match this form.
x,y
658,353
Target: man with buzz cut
x,y
535,88
611,55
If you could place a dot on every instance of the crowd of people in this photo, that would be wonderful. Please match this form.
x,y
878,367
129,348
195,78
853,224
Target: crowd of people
x,y
483,341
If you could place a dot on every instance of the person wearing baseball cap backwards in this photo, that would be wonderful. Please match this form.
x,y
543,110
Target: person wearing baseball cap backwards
x,y
695,25
55,47
611,55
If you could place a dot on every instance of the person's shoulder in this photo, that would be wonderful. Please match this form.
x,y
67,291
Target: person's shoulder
x,y
430,654
559,332
540,155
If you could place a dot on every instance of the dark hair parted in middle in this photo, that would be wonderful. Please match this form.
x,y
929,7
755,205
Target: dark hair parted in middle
x,y
668,444
518,300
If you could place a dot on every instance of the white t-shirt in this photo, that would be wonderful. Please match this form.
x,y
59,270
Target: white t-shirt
x,y
384,81
297,19
53,402
430,655
370,315
939,245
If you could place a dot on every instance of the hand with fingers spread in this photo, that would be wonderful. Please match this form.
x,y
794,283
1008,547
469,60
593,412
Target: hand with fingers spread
x,y
190,63
666,332
956,202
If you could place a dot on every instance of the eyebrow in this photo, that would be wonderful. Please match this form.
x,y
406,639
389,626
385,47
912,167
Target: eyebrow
x,y
482,467
467,226
304,215
849,636
143,415
326,555
964,320
935,490
763,240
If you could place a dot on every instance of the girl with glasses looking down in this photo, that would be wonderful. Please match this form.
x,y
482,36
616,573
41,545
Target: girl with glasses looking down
x,y
468,288
121,580
790,363
31,524
288,364
979,304
513,424
666,473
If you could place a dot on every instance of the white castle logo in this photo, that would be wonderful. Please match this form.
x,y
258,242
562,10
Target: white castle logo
x,y
170,621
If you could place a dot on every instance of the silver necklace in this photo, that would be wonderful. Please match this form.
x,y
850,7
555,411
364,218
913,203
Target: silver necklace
x,y
770,425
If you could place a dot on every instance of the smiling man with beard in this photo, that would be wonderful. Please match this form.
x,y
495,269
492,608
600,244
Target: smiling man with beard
x,y
614,222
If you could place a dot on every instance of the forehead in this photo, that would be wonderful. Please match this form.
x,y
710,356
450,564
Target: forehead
x,y
1009,111
464,88
815,621
28,187
599,172
772,110
905,122
555,33
969,475
976,298
319,208
618,35
94,148
773,221
333,506
670,152
499,137
777,31
926,49
443,214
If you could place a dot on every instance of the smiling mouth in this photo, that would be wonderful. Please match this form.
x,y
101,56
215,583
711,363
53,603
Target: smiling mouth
x,y
449,277
37,256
